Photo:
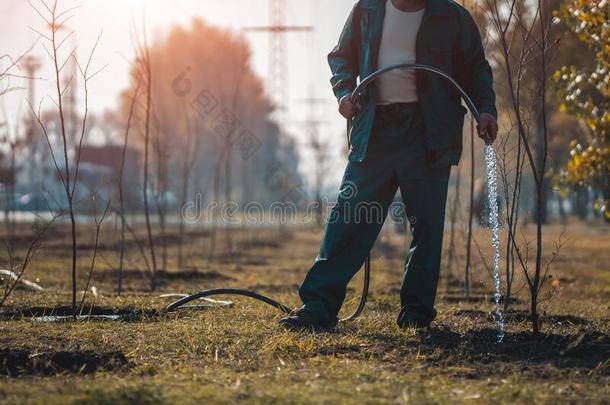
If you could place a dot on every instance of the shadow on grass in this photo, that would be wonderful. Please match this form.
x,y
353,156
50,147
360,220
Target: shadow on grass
x,y
122,314
524,316
166,276
475,354
15,363
583,350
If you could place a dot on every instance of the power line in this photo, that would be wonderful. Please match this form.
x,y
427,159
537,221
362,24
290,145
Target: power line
x,y
277,80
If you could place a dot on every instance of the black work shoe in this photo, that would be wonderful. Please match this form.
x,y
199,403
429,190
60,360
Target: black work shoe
x,y
408,318
302,320
415,323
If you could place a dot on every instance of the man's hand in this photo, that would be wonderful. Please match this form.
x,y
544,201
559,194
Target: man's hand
x,y
347,108
488,127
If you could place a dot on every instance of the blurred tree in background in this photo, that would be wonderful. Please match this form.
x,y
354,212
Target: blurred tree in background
x,y
585,93
207,100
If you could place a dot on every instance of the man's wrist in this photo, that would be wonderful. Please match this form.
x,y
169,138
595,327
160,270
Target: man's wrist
x,y
340,94
489,110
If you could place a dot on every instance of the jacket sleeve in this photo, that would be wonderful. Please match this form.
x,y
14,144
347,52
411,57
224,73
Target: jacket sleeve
x,y
343,59
475,73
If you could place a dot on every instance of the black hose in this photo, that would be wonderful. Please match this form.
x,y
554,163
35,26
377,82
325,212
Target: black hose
x,y
367,264
251,294
416,66
365,292
228,291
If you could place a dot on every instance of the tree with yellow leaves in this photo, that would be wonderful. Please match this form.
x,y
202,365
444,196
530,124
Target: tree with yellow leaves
x,y
585,93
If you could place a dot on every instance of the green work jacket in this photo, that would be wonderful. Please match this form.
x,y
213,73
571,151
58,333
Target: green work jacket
x,y
448,39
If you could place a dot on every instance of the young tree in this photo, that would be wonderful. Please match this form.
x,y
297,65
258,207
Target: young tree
x,y
144,68
523,49
55,19
189,146
162,147
134,98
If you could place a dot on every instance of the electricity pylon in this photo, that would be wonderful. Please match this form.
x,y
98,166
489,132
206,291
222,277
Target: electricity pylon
x,y
277,80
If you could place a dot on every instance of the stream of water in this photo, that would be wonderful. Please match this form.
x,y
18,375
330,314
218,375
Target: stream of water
x,y
492,196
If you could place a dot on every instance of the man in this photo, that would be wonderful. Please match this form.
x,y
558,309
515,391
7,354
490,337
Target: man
x,y
406,133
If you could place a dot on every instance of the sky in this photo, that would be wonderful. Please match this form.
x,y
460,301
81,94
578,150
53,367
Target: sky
x,y
308,72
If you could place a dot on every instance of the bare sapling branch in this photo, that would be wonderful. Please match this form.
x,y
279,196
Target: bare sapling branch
x,y
55,21
98,227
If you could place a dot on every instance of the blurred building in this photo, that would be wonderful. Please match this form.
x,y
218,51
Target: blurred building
x,y
100,167
110,157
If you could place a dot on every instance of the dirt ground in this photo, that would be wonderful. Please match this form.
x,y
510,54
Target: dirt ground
x,y
226,354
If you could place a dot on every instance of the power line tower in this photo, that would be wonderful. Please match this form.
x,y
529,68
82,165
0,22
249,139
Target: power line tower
x,y
277,81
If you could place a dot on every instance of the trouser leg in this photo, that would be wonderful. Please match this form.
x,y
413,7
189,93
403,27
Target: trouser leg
x,y
425,206
353,226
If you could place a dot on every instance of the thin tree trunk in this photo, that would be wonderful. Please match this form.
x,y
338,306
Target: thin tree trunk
x,y
98,227
541,173
69,194
151,243
451,256
216,197
228,186
160,196
467,269
184,196
121,192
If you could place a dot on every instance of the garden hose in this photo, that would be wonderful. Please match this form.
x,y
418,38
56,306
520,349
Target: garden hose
x,y
272,302
367,265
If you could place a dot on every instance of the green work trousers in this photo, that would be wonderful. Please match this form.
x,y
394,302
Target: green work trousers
x,y
396,158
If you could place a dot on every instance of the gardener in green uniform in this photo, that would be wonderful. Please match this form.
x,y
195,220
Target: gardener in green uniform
x,y
406,133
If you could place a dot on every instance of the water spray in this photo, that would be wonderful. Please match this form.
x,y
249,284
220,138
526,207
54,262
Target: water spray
x,y
492,198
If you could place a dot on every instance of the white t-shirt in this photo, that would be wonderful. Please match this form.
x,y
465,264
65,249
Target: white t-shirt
x,y
398,46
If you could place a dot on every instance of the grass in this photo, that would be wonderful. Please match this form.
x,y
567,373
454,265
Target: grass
x,y
224,355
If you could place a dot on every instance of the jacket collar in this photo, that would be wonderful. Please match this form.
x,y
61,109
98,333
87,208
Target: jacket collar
x,y
433,7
